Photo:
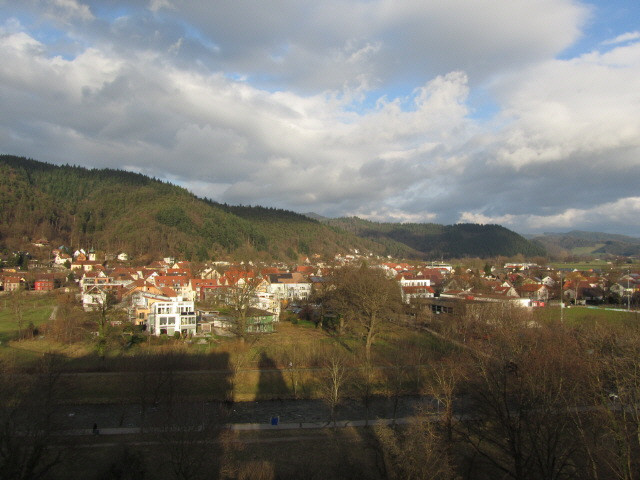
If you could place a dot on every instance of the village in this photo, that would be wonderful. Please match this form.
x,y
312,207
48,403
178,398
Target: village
x,y
178,298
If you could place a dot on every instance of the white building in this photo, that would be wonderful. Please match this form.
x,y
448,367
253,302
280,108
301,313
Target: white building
x,y
289,286
167,316
267,302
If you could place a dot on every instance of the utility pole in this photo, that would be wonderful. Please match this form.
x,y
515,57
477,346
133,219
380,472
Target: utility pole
x,y
561,299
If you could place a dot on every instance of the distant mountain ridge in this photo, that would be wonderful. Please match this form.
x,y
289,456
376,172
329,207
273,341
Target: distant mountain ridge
x,y
590,243
115,210
447,241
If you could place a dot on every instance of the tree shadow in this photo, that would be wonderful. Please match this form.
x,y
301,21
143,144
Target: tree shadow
x,y
166,411
271,384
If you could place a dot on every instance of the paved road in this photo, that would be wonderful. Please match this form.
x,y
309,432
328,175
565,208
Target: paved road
x,y
129,418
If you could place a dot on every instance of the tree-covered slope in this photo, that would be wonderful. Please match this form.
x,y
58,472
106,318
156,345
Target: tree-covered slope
x,y
446,241
115,210
595,243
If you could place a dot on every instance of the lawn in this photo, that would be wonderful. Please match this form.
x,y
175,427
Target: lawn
x,y
283,364
586,250
35,308
589,315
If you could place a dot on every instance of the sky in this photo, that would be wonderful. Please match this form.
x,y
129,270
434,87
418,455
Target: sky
x,y
523,113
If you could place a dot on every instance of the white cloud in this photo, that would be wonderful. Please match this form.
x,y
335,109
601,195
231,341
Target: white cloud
x,y
340,107
565,108
620,215
625,37
471,217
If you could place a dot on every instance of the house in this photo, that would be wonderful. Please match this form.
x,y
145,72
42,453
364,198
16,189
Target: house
x,y
210,273
95,287
12,284
414,280
170,315
535,291
257,321
86,265
62,258
44,285
267,302
506,291
93,298
138,306
41,242
414,292
199,286
179,283
94,278
289,286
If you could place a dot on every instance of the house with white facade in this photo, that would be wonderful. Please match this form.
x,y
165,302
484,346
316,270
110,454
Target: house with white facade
x,y
168,316
289,286
414,286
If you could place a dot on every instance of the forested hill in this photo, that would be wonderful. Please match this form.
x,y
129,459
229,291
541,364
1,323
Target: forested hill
x,y
446,241
590,243
118,211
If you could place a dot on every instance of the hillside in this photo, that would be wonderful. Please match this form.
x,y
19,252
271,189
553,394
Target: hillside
x,y
118,211
446,241
590,243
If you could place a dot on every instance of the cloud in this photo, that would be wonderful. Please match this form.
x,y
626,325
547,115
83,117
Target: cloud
x,y
620,216
155,5
68,10
348,107
567,107
625,37
270,148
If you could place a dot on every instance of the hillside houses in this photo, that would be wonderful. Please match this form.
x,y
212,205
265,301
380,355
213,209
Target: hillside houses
x,y
272,288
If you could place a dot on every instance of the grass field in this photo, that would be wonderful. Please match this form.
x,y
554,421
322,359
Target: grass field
x,y
285,364
586,250
589,315
35,308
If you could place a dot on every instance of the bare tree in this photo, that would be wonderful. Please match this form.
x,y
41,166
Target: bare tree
x,y
333,379
240,297
414,452
293,358
242,356
445,380
104,311
519,394
366,298
616,392
364,383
